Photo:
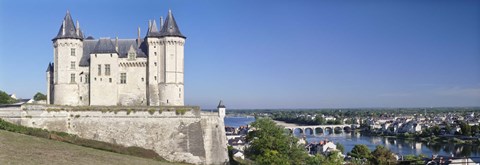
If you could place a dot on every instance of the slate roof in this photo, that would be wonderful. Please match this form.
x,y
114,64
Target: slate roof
x,y
70,29
108,46
50,67
220,104
169,28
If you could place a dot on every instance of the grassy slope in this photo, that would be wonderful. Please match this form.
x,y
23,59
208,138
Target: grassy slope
x,y
23,149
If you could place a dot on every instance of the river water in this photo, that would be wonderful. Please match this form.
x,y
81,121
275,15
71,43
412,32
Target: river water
x,y
398,146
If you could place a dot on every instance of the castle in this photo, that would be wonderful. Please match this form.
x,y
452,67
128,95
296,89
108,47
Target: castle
x,y
126,72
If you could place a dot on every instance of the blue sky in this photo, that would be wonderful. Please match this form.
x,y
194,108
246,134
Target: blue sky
x,y
276,54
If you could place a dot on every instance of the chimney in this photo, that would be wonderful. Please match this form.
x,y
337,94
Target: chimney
x,y
63,27
78,28
149,24
116,43
161,22
138,39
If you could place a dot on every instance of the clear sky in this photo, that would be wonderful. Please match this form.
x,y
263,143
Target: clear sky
x,y
276,54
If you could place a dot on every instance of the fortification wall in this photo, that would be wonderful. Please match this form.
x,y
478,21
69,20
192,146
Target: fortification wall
x,y
179,134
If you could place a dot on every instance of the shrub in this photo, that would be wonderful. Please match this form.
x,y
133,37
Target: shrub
x,y
180,111
151,111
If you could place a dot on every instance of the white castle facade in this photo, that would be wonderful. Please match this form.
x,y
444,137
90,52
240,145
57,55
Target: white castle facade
x,y
144,71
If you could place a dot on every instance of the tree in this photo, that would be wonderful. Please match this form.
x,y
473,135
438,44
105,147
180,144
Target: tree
x,y
382,155
5,98
39,96
412,159
340,147
333,158
270,145
475,129
360,151
436,130
466,129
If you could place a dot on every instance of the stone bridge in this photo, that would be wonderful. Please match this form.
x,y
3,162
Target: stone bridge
x,y
315,129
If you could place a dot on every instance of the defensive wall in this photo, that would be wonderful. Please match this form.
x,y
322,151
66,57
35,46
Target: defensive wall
x,y
177,133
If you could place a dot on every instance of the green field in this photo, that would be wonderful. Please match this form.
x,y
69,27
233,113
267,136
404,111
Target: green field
x,y
23,149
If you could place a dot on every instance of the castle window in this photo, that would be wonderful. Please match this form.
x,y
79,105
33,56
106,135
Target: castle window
x,y
72,65
81,78
155,63
179,89
87,79
110,79
107,69
131,56
123,78
72,78
81,97
155,77
72,51
155,53
179,95
143,79
99,69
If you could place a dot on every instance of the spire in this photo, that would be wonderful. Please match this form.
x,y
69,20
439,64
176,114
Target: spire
x,y
68,29
170,27
220,104
154,27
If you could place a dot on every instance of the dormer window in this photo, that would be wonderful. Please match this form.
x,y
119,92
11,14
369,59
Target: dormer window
x,y
131,56
132,53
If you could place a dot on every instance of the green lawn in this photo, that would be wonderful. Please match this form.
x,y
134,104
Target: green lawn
x,y
23,149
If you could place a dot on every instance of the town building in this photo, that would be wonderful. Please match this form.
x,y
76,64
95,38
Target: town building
x,y
146,71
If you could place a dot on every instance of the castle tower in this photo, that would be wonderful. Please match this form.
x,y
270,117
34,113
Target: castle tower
x,y
68,50
153,64
172,59
221,110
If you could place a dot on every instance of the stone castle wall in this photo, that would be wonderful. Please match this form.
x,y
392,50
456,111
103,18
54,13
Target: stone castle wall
x,y
179,134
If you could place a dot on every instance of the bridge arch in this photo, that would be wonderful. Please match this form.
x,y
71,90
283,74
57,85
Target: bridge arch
x,y
329,130
309,131
318,130
298,130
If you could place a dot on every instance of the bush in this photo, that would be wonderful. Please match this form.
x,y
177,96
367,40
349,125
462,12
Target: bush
x,y
39,96
151,111
181,111
5,98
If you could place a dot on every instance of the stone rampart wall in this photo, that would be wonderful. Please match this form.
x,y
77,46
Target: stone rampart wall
x,y
180,134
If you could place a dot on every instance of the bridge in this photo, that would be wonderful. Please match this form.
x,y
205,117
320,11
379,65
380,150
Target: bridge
x,y
315,129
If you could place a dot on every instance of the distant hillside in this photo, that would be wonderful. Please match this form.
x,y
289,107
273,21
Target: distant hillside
x,y
23,149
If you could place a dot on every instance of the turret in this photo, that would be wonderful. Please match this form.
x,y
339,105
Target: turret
x,y
221,110
68,50
49,83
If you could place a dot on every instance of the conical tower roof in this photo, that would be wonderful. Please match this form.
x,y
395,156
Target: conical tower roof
x,y
170,27
68,29
50,67
220,104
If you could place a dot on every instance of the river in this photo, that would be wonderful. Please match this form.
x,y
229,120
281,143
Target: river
x,y
398,146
